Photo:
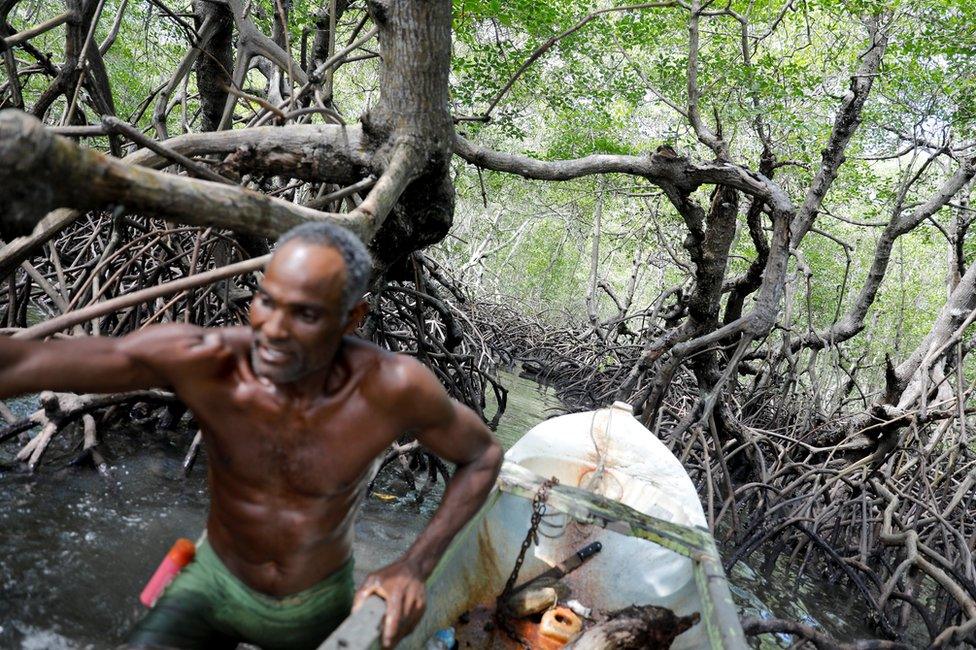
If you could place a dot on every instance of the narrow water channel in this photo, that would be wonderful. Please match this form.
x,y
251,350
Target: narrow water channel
x,y
77,548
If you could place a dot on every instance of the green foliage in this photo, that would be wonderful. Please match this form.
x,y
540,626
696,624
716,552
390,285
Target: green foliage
x,y
606,89
612,86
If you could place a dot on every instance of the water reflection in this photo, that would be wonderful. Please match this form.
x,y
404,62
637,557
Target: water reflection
x,y
813,602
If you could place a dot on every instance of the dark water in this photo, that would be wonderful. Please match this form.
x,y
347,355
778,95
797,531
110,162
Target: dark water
x,y
77,548
819,604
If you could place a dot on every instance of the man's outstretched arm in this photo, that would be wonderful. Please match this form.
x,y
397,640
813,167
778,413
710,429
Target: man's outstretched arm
x,y
455,433
101,364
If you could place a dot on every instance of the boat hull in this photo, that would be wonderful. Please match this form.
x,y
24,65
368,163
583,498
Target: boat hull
x,y
608,453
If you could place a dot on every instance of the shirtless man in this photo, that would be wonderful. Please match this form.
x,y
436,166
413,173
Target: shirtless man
x,y
295,413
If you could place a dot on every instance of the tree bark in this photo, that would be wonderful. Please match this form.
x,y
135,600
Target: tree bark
x,y
214,65
591,297
30,155
323,45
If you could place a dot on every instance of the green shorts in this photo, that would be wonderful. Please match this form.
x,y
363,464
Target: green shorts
x,y
206,606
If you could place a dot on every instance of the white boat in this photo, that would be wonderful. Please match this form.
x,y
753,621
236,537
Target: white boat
x,y
619,485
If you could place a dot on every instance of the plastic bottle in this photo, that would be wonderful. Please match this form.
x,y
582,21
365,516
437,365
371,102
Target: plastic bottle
x,y
178,557
442,640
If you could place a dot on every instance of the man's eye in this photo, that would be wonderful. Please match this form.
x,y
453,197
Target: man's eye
x,y
308,316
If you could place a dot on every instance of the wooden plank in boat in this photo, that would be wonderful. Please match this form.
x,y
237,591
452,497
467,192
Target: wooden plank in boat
x,y
361,630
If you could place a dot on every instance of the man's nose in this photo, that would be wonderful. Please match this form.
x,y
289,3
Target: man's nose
x,y
274,327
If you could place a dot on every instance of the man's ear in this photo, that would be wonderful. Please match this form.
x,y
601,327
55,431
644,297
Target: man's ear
x,y
356,315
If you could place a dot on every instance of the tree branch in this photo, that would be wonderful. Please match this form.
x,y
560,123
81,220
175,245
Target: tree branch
x,y
115,125
30,156
21,248
705,135
821,641
845,124
851,323
72,318
208,29
658,168
313,152
37,30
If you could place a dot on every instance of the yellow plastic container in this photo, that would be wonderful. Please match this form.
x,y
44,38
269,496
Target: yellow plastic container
x,y
560,623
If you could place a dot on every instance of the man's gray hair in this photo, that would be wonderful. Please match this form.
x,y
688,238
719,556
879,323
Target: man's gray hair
x,y
359,265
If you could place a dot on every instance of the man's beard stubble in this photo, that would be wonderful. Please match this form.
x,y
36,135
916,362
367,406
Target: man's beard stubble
x,y
278,374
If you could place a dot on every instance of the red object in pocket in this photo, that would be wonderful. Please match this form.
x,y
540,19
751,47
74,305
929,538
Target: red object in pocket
x,y
178,557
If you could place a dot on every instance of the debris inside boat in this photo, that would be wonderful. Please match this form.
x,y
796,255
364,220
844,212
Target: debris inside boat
x,y
643,627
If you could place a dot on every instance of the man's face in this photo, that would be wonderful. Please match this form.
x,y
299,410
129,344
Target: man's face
x,y
297,313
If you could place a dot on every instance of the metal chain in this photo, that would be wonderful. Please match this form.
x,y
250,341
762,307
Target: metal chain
x,y
531,537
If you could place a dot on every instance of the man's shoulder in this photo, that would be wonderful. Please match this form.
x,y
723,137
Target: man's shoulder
x,y
387,374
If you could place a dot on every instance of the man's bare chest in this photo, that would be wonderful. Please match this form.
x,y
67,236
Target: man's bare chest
x,y
275,446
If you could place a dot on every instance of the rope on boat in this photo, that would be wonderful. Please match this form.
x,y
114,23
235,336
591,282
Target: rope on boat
x,y
592,483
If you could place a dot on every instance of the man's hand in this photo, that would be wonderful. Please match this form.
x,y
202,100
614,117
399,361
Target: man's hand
x,y
402,587
173,350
